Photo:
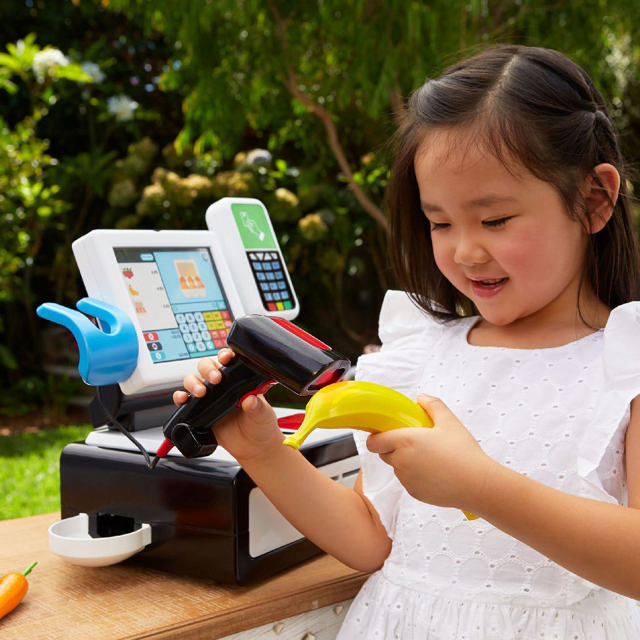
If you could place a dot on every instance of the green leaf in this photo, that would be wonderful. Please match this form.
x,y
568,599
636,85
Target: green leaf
x,y
11,63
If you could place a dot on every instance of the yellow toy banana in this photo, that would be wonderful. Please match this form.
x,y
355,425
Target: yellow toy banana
x,y
359,405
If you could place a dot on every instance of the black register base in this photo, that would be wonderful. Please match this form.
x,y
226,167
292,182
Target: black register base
x,y
207,517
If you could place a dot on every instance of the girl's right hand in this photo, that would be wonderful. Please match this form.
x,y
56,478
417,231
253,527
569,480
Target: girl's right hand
x,y
251,431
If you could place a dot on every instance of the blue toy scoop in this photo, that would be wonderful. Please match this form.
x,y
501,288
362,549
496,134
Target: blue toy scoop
x,y
109,353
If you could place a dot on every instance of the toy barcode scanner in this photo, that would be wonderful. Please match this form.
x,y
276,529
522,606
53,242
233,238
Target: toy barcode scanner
x,y
268,351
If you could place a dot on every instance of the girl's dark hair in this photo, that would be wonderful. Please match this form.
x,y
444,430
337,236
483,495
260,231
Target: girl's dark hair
x,y
529,104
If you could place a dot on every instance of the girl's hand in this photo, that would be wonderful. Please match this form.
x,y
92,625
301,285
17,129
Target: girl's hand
x,y
443,465
252,430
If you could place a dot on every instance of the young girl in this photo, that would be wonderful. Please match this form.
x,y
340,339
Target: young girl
x,y
511,231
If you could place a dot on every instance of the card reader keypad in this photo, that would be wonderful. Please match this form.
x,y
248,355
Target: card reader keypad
x,y
204,330
273,284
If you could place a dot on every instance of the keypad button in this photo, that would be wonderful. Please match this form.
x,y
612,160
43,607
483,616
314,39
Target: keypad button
x,y
271,279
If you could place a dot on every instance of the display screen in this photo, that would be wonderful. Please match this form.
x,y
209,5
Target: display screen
x,y
181,308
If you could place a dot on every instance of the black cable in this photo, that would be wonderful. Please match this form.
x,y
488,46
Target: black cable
x,y
116,423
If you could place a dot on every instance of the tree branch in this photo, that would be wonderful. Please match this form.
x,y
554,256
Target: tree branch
x,y
291,83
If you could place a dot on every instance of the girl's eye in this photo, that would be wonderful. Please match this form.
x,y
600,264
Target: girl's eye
x,y
436,226
498,222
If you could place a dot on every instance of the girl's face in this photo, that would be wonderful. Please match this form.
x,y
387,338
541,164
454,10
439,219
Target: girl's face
x,y
503,239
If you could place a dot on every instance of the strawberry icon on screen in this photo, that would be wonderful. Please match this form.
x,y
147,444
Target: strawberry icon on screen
x,y
127,273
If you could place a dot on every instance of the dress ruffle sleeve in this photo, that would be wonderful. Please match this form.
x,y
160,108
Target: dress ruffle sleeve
x,y
605,436
622,347
406,332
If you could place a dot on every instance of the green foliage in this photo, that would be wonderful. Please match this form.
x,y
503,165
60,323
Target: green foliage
x,y
29,475
235,61
65,117
28,204
323,249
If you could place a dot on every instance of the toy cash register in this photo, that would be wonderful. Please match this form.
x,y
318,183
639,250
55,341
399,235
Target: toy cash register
x,y
163,299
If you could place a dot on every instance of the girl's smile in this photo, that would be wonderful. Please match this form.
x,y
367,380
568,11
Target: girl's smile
x,y
501,236
488,287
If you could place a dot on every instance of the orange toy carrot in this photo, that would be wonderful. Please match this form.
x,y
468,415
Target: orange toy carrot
x,y
13,588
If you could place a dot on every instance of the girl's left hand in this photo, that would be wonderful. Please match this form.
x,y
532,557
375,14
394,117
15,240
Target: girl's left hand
x,y
443,465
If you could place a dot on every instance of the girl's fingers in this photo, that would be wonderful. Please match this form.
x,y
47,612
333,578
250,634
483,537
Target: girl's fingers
x,y
226,356
180,397
207,367
385,442
433,406
194,385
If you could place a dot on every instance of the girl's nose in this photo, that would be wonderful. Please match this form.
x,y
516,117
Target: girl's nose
x,y
469,252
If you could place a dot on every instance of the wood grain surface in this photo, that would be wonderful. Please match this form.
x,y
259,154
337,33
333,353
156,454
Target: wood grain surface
x,y
69,602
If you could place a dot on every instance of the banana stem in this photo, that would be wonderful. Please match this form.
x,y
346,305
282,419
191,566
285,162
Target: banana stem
x,y
296,439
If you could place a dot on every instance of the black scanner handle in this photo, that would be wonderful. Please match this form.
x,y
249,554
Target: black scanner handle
x,y
189,428
267,351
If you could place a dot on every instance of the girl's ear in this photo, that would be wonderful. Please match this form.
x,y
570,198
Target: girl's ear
x,y
600,194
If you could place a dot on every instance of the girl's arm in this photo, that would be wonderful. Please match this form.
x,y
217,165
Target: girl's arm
x,y
341,521
596,540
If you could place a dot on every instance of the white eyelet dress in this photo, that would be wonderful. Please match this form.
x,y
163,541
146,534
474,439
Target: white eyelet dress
x,y
556,415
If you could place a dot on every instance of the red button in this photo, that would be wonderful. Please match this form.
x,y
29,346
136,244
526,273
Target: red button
x,y
150,337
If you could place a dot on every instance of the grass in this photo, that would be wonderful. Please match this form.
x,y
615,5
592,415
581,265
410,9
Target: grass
x,y
29,470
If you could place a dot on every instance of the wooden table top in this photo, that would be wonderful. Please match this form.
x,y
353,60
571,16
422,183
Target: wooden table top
x,y
66,601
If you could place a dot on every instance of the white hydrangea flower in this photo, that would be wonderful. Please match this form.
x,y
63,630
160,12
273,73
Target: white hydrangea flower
x,y
258,156
47,59
93,71
122,107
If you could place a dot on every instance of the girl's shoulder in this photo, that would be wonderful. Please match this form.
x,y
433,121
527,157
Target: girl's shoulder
x,y
621,353
403,321
408,335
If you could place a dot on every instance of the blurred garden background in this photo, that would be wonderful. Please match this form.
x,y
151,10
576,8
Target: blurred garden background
x,y
140,113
